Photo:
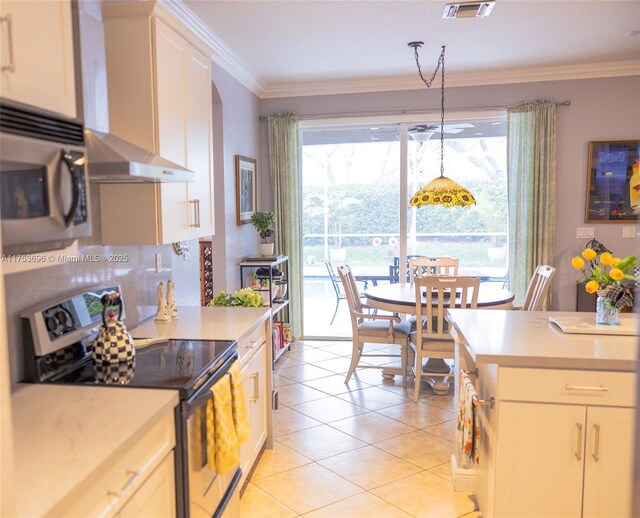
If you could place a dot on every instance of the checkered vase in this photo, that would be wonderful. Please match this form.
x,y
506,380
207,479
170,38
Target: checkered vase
x,y
113,344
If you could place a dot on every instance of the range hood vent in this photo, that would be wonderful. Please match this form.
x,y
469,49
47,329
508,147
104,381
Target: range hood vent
x,y
468,10
114,160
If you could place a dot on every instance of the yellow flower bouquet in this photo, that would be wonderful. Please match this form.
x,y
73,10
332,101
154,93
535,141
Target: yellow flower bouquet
x,y
605,272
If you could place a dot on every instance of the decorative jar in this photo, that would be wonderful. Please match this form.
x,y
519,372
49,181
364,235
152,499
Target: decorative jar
x,y
606,313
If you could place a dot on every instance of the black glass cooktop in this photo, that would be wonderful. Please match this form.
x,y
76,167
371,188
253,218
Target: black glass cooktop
x,y
173,364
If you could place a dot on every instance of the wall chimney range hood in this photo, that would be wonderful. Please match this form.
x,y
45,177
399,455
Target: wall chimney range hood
x,y
114,160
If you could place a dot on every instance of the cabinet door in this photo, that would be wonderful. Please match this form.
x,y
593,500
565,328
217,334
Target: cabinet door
x,y
37,40
255,384
156,497
540,459
608,462
199,141
171,54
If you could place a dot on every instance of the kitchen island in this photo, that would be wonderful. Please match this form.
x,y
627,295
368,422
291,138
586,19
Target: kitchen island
x,y
556,417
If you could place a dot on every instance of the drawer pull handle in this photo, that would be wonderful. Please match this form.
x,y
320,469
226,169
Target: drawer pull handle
x,y
578,452
599,388
256,387
11,67
491,402
596,446
132,476
251,345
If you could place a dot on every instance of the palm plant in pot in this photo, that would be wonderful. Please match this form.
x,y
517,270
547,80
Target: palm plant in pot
x,y
263,222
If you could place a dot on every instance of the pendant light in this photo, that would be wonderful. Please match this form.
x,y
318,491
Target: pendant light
x,y
441,190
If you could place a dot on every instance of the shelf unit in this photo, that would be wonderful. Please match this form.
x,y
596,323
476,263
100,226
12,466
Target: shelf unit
x,y
269,280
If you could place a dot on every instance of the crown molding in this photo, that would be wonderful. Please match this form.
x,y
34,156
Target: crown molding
x,y
481,78
220,53
228,60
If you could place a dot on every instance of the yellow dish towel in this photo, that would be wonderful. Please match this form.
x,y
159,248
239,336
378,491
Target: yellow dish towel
x,y
240,418
223,446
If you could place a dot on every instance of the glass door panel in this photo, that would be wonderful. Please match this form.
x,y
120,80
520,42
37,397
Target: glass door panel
x,y
475,157
350,215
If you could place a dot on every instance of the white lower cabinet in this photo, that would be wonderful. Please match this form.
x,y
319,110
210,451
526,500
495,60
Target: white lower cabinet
x,y
568,456
156,497
254,378
141,483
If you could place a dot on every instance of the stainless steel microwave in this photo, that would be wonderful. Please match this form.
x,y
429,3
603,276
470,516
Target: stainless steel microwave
x,y
44,190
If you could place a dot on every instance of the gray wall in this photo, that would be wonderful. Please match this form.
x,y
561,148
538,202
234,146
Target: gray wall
x,y
601,109
235,133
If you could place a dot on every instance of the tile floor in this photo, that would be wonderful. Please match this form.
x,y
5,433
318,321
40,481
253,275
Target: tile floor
x,y
362,450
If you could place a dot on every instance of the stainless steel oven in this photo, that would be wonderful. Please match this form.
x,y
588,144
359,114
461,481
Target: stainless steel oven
x,y
58,337
44,198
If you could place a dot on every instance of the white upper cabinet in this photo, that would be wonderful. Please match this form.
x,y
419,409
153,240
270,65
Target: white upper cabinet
x,y
36,54
160,99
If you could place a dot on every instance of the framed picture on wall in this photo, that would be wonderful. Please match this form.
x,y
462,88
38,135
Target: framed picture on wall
x,y
613,186
246,191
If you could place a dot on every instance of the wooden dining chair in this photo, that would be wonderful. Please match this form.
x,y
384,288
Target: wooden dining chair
x,y
371,328
433,339
423,266
538,288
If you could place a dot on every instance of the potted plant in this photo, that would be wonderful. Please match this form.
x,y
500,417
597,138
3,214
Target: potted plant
x,y
263,223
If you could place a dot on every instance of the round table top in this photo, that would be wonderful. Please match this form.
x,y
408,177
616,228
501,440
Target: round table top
x,y
404,295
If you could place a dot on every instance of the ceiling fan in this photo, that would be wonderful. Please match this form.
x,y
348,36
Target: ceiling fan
x,y
423,132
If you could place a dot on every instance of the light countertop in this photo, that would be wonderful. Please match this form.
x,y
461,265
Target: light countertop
x,y
205,323
528,339
58,450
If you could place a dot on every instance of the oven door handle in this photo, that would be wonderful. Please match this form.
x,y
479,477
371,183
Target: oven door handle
x,y
203,394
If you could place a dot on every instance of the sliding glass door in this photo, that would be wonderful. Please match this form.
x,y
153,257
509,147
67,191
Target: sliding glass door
x,y
356,184
351,207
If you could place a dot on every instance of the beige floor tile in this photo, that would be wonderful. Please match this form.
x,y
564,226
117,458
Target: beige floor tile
x,y
334,385
364,505
472,514
446,430
320,442
419,448
256,502
284,362
443,470
329,409
286,420
281,381
371,376
337,365
445,402
369,467
373,398
297,393
372,427
304,372
395,385
307,488
276,460
311,355
426,495
418,415
339,348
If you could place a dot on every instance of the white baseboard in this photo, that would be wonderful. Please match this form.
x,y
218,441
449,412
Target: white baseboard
x,y
463,479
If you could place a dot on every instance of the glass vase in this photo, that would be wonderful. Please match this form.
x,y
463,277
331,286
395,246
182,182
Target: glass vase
x,y
606,313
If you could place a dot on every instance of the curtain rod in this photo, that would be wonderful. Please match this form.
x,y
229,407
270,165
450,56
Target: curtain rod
x,y
312,116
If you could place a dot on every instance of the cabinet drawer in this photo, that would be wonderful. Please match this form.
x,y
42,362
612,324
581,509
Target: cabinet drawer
x,y
120,479
567,386
250,343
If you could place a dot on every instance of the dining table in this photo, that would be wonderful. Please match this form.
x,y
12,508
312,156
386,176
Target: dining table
x,y
401,299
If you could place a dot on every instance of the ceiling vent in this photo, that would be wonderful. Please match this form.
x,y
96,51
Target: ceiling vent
x,y
468,10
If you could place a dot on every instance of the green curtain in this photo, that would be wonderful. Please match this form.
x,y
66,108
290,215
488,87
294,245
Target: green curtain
x,y
284,160
531,163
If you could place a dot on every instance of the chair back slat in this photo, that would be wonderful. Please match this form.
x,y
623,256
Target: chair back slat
x,y
538,288
350,288
424,266
444,292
